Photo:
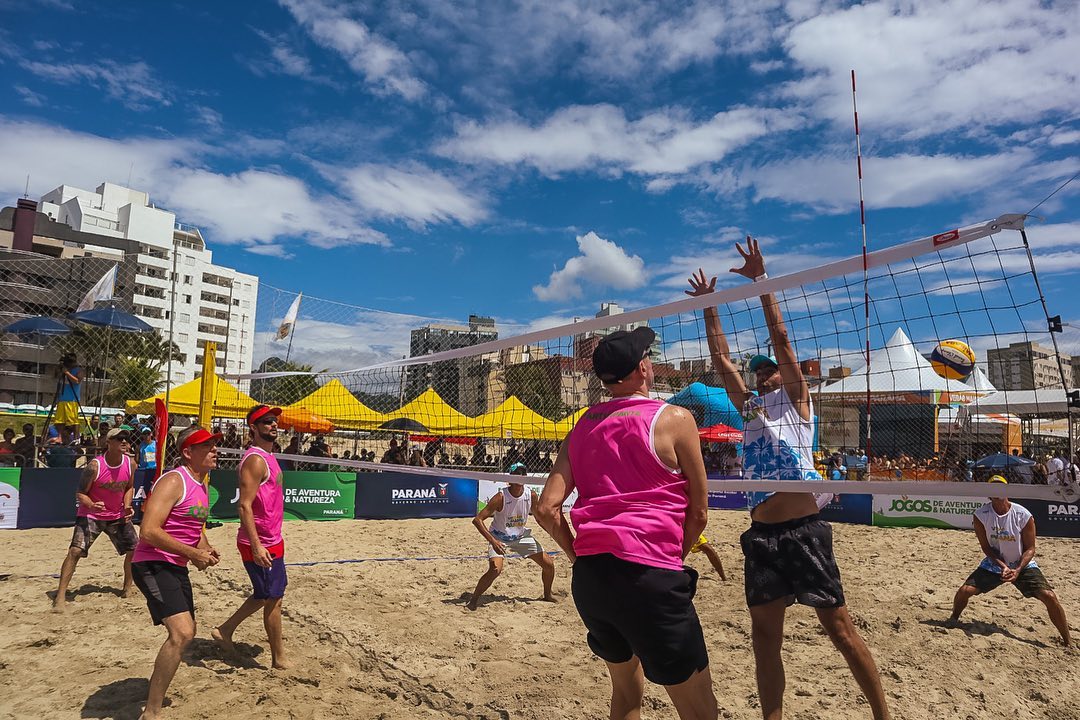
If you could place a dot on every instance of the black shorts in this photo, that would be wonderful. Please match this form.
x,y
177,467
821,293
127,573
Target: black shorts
x,y
121,532
792,560
631,609
166,586
1030,582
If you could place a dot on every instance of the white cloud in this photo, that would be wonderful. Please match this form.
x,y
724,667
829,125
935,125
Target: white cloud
x,y
583,137
927,68
30,97
828,183
417,195
132,84
385,68
601,264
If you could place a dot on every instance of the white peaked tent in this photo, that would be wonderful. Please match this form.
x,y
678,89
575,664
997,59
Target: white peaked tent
x,y
980,382
897,368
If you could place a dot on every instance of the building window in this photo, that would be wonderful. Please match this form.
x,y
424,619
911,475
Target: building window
x,y
185,318
187,299
183,337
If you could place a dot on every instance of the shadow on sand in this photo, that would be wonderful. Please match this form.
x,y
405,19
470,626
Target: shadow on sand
x,y
119,700
202,649
978,627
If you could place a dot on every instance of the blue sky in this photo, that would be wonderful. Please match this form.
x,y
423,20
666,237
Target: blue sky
x,y
531,159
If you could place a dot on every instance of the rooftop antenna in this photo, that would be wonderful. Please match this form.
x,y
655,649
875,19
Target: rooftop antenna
x,y
26,192
131,169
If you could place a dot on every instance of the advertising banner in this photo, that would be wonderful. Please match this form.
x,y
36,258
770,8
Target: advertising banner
x,y
319,495
722,500
142,480
47,497
9,497
394,495
1054,519
224,494
846,508
925,511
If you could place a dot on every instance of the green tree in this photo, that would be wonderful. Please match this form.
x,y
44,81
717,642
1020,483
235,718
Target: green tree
x,y
133,379
284,390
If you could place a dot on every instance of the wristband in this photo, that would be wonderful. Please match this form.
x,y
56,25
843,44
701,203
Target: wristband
x,y
762,276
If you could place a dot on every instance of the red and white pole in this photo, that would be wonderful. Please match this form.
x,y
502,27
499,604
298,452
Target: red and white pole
x,y
866,272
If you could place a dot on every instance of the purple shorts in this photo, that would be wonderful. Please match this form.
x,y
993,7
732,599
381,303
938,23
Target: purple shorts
x,y
267,583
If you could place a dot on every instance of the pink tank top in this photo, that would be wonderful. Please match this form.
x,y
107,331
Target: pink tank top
x,y
269,504
108,487
184,522
630,504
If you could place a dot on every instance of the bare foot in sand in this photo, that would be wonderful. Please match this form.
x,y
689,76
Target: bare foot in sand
x,y
549,598
281,664
126,592
59,604
224,642
472,603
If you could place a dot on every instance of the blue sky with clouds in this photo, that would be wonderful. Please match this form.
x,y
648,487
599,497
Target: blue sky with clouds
x,y
532,159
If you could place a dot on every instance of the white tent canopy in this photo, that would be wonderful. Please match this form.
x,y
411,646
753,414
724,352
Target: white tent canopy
x,y
1044,402
980,382
897,368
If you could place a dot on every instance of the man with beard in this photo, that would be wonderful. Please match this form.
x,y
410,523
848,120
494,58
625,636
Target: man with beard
x,y
262,510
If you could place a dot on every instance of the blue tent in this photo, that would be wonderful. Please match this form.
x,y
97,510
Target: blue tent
x,y
710,405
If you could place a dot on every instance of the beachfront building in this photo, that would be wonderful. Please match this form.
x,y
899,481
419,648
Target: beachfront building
x,y
55,249
461,383
1027,366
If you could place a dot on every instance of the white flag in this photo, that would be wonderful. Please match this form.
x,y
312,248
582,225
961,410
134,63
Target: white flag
x,y
103,290
290,319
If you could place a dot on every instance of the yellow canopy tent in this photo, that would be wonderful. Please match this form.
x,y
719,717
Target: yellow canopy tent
x,y
335,403
564,426
431,411
229,401
514,419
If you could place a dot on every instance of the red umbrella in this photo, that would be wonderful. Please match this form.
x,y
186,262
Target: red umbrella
x,y
721,433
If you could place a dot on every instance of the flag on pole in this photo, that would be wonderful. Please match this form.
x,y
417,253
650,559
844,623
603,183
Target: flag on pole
x,y
289,322
102,290
161,434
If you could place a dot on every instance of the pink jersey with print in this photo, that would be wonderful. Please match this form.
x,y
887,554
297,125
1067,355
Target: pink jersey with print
x,y
630,504
269,504
108,487
184,522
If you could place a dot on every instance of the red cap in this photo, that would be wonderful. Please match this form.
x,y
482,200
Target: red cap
x,y
200,436
260,411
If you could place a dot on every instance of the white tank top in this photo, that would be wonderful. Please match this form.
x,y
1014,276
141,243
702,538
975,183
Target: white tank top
x,y
777,443
509,523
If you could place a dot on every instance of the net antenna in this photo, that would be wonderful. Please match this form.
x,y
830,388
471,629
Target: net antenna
x,y
866,267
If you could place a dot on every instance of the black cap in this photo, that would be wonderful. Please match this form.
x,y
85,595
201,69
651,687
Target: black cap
x,y
618,354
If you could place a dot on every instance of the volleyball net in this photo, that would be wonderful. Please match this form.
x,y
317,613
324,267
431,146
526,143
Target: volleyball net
x,y
475,398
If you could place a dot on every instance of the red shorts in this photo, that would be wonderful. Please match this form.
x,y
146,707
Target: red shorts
x,y
276,551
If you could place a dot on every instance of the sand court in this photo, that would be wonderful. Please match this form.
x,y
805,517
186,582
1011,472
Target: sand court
x,y
394,640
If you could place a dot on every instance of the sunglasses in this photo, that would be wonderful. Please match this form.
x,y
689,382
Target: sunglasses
x,y
272,420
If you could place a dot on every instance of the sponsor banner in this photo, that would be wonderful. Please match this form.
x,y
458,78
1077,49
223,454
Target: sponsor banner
x,y
397,495
9,497
224,493
47,497
848,508
142,481
722,500
1054,519
925,511
486,489
319,495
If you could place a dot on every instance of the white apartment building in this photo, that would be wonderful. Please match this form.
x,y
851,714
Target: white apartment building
x,y
212,303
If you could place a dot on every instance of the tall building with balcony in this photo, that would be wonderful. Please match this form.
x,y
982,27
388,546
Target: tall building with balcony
x,y
114,224
461,383
1026,366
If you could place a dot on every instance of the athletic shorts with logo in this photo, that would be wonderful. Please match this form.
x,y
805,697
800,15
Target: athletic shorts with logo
x,y
121,532
166,587
525,545
791,560
267,583
632,609
1030,581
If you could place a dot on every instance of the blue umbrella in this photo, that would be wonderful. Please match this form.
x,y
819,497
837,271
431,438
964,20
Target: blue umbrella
x,y
710,405
1002,460
42,325
110,317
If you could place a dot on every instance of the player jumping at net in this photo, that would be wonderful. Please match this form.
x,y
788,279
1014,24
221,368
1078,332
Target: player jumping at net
x,y
1006,533
104,500
259,540
788,549
642,503
173,534
511,508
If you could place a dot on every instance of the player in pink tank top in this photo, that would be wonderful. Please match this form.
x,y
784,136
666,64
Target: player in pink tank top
x,y
172,535
262,549
642,503
103,506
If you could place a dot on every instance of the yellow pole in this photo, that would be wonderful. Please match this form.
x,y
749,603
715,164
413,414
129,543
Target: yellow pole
x,y
208,385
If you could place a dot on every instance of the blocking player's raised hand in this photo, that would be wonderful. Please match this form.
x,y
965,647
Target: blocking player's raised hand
x,y
753,262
